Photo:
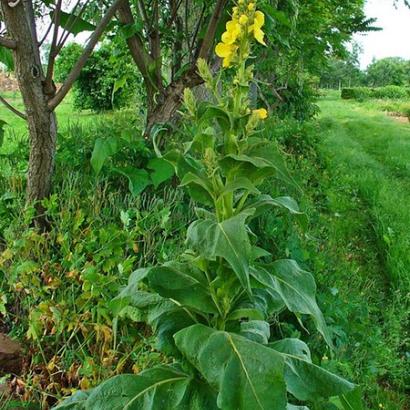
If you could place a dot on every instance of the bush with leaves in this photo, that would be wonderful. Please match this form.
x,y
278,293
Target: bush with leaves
x,y
108,80
211,308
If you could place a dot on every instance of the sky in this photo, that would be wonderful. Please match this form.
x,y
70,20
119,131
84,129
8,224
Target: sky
x,y
394,40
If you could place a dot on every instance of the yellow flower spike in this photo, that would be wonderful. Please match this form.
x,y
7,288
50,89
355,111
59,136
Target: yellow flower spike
x,y
243,19
261,113
259,19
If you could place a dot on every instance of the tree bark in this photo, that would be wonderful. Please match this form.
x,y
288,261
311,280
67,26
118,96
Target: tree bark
x,y
166,104
41,120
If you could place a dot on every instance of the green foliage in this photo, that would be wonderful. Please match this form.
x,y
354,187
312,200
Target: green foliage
x,y
352,168
388,71
56,288
6,58
108,80
305,37
66,60
387,92
157,169
343,72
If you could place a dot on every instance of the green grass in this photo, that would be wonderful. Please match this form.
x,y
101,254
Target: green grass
x,y
16,128
357,183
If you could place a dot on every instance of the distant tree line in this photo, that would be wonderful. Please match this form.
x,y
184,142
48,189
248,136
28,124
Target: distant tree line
x,y
380,73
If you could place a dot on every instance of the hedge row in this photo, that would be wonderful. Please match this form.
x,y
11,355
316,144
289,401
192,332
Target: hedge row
x,y
362,93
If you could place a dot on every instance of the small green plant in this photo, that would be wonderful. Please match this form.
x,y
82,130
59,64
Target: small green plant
x,y
211,309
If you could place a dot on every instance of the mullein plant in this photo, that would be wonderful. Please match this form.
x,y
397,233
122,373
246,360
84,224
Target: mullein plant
x,y
211,309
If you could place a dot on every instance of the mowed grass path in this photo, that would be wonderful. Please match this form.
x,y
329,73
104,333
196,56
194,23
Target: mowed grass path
x,y
365,158
371,153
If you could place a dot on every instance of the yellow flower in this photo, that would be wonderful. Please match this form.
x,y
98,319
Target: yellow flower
x,y
259,35
233,27
259,19
256,27
261,113
243,19
223,50
251,6
227,61
227,52
227,38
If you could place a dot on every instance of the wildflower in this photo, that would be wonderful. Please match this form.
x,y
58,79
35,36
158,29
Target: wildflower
x,y
256,27
227,52
251,6
261,113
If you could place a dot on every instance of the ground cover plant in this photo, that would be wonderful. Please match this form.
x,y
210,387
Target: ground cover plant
x,y
211,307
57,286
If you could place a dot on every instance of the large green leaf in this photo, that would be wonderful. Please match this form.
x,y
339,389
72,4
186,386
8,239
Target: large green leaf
x,y
138,179
200,181
240,184
296,287
352,400
165,316
76,402
264,202
228,239
103,149
163,387
162,170
208,113
166,319
73,23
246,374
185,164
256,330
264,301
305,380
261,158
184,283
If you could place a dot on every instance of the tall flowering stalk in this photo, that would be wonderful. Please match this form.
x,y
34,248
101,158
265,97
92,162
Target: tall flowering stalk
x,y
211,308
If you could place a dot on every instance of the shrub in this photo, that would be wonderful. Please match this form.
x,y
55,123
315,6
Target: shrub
x,y
356,93
108,80
362,93
390,91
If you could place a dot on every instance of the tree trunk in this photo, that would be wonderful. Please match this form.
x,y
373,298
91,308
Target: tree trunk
x,y
166,105
42,123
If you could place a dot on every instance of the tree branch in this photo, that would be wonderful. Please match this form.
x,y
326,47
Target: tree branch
x,y
12,109
7,42
141,58
211,31
53,54
75,72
